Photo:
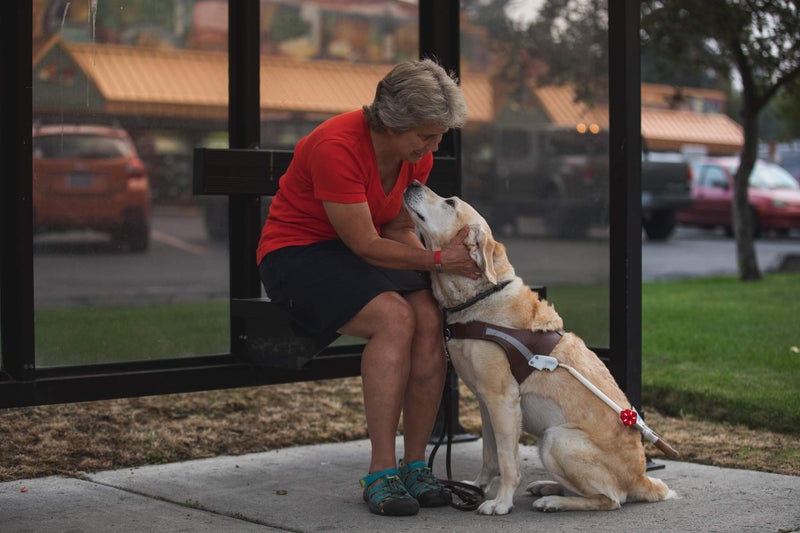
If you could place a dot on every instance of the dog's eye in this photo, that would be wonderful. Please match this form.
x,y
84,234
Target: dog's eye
x,y
450,202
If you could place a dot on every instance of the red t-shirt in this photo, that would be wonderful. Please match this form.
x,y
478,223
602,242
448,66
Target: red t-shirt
x,y
336,163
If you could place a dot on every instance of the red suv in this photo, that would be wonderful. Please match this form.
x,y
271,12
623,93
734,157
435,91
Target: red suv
x,y
773,193
90,177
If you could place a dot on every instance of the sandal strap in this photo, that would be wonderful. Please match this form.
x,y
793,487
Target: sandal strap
x,y
384,485
419,479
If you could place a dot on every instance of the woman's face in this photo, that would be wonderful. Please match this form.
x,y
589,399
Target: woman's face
x,y
414,144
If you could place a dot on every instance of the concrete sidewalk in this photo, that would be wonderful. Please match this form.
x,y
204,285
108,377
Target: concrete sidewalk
x,y
314,488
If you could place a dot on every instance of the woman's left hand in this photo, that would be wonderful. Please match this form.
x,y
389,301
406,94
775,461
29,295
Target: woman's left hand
x,y
456,258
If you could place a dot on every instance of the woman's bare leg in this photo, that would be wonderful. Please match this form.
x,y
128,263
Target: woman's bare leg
x,y
427,376
387,322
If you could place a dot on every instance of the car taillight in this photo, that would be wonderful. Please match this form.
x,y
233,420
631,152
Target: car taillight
x,y
588,176
135,169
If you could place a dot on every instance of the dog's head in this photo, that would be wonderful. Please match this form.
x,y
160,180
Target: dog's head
x,y
440,219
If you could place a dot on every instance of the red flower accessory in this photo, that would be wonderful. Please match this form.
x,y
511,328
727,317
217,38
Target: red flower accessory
x,y
628,417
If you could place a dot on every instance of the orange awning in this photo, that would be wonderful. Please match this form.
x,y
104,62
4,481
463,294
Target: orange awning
x,y
194,84
188,83
662,129
669,130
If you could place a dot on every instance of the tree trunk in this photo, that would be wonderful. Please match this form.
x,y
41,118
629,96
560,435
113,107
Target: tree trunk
x,y
743,223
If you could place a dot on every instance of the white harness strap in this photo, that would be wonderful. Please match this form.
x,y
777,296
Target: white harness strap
x,y
539,362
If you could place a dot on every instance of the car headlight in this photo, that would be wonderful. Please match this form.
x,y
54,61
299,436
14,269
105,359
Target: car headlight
x,y
780,204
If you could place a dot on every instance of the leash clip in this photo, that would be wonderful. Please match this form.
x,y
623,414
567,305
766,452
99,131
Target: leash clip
x,y
543,362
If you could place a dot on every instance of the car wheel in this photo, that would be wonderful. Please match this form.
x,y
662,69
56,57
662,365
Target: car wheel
x,y
215,218
756,225
503,220
135,232
660,225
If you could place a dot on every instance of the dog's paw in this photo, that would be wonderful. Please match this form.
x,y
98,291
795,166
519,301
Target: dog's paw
x,y
495,507
545,488
548,504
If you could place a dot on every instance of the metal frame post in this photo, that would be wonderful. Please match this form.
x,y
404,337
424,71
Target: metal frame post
x,y
244,127
625,198
16,213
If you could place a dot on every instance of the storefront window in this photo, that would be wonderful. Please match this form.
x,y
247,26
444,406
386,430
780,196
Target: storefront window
x,y
535,151
320,59
125,266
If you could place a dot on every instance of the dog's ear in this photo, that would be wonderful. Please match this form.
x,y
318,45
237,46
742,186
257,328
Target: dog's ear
x,y
481,249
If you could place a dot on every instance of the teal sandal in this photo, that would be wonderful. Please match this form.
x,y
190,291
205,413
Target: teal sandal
x,y
386,494
423,485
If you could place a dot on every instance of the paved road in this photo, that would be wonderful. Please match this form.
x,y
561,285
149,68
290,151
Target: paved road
x,y
690,253
183,265
694,253
86,269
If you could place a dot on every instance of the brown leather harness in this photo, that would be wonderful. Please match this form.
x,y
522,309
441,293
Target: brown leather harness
x,y
524,348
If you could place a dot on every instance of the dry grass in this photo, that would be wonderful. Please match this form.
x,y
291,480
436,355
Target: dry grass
x,y
75,438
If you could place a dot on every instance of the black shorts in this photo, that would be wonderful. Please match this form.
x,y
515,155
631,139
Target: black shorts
x,y
323,285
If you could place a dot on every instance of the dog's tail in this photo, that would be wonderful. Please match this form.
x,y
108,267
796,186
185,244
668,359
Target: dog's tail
x,y
650,490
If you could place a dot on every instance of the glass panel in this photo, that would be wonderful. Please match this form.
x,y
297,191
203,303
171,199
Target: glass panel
x,y
320,59
535,149
124,266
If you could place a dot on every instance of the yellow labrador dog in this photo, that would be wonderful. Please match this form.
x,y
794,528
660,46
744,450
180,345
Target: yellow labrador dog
x,y
582,443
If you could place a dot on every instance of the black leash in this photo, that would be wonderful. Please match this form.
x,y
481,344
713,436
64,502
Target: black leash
x,y
463,496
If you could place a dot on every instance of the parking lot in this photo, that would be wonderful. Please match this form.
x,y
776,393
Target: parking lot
x,y
183,264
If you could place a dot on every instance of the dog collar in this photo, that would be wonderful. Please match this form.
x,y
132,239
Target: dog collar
x,y
475,299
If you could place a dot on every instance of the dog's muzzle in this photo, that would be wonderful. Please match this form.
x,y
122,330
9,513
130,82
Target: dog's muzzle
x,y
413,193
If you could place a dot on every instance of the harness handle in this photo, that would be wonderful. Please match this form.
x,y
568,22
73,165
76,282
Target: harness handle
x,y
648,433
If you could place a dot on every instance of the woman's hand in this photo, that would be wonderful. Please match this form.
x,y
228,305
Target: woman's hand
x,y
455,257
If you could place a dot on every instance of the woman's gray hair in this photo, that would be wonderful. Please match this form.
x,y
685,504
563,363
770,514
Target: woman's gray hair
x,y
414,93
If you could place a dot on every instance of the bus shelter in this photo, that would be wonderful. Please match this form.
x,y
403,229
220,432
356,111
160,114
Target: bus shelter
x,y
243,173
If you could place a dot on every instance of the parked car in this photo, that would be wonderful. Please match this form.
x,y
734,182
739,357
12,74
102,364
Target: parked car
x,y
774,196
666,189
785,154
791,162
90,177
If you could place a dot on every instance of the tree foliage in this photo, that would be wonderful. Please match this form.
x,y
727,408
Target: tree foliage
x,y
564,42
787,106
756,38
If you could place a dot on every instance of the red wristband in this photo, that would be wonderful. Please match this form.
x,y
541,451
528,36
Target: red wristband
x,y
437,260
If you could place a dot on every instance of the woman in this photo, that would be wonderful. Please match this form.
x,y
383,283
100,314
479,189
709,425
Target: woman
x,y
339,252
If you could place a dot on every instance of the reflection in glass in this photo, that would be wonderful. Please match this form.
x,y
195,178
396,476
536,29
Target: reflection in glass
x,y
536,164
124,265
535,154
321,59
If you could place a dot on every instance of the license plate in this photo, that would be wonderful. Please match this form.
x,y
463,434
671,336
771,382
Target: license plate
x,y
80,180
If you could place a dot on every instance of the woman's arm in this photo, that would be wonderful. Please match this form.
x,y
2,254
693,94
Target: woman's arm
x,y
402,229
400,248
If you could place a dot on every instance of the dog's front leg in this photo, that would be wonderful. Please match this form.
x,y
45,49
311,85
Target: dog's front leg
x,y
504,413
490,468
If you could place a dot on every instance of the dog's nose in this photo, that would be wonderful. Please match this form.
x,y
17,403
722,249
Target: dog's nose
x,y
414,183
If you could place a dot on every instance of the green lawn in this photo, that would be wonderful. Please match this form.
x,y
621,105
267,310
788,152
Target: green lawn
x,y
724,350
116,334
584,310
713,348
